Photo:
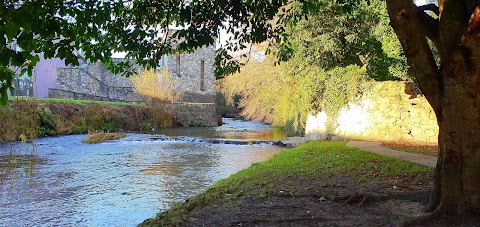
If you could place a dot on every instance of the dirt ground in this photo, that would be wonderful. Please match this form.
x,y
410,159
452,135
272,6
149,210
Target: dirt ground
x,y
330,201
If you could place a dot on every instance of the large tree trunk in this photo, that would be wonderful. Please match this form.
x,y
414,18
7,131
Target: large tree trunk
x,y
459,168
452,89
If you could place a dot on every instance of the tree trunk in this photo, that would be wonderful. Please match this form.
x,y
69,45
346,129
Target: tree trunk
x,y
453,90
459,138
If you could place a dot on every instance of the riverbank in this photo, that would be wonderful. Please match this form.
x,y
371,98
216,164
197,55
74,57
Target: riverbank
x,y
49,117
317,183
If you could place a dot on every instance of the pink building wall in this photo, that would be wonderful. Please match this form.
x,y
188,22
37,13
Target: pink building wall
x,y
45,75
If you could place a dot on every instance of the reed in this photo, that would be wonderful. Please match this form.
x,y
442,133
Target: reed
x,y
34,118
100,137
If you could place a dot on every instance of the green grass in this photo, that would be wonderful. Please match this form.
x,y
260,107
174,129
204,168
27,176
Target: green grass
x,y
313,159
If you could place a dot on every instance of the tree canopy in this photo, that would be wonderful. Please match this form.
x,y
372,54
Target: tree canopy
x,y
69,29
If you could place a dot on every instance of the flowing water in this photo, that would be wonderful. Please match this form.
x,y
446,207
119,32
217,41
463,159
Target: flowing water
x,y
123,182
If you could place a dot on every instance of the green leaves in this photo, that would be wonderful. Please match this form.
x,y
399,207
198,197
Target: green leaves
x,y
336,37
6,78
11,30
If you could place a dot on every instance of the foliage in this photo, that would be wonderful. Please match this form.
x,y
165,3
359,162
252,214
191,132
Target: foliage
x,y
331,38
270,95
397,63
333,55
313,159
258,85
93,30
158,86
342,85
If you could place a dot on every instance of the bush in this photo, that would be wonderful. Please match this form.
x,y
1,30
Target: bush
x,y
158,86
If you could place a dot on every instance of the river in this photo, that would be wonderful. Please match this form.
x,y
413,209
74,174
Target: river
x,y
123,182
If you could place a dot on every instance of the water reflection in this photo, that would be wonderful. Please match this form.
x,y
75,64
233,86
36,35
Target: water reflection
x,y
120,183
17,160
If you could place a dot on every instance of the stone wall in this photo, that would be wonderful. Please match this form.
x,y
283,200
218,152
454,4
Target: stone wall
x,y
93,82
193,114
196,108
384,113
186,71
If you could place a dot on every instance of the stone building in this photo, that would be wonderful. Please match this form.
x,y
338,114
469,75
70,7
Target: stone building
x,y
193,76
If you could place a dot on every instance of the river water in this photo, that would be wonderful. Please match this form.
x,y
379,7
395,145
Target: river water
x,y
123,182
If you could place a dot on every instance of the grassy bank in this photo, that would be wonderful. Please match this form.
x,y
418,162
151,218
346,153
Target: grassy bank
x,y
293,172
46,117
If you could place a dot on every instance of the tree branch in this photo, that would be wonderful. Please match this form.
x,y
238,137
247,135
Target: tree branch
x,y
430,28
453,22
431,7
410,32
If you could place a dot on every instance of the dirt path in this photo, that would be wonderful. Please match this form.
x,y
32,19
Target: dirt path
x,y
377,148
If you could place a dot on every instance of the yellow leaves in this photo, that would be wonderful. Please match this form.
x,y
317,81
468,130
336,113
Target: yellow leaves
x,y
157,85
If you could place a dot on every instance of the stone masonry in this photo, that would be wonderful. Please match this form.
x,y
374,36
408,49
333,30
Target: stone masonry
x,y
192,74
384,113
187,74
